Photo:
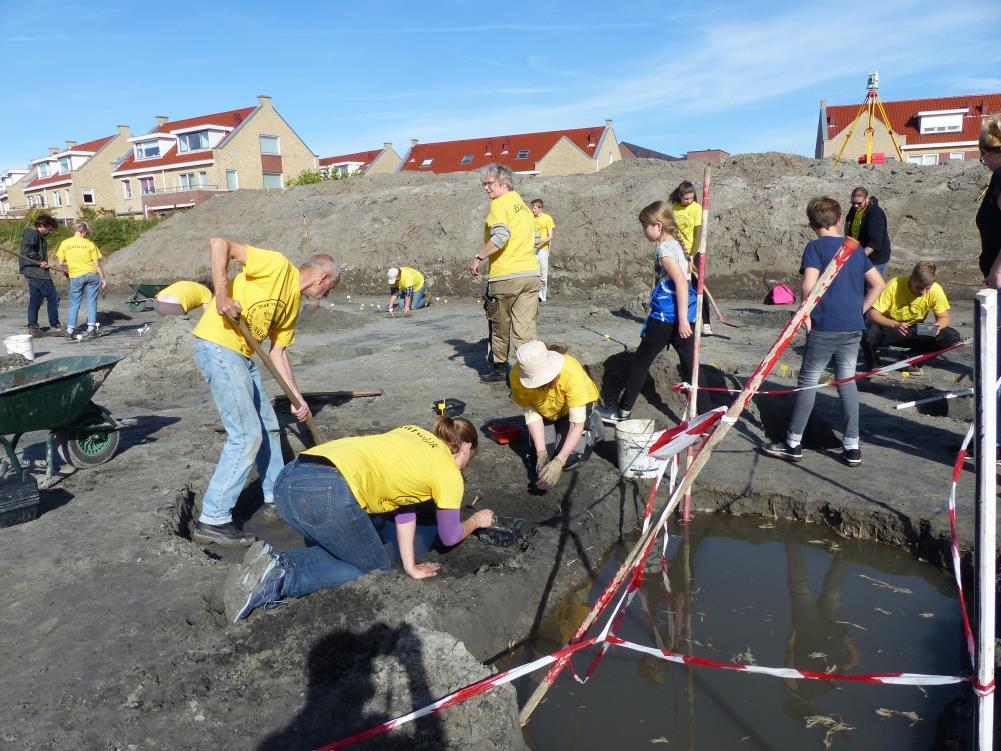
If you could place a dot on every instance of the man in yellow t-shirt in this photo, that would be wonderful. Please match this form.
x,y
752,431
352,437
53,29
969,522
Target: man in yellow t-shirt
x,y
512,299
180,298
266,294
900,309
544,226
558,398
407,283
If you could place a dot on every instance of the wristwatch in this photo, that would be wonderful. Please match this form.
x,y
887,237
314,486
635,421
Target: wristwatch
x,y
479,258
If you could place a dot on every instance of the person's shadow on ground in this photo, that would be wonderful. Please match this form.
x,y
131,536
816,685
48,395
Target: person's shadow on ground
x,y
341,666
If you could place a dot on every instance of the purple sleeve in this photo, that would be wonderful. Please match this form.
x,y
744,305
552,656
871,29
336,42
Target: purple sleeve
x,y
449,526
405,517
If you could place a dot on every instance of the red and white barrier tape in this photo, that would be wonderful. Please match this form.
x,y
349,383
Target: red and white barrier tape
x,y
957,471
899,365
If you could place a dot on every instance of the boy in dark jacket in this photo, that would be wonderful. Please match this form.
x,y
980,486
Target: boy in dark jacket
x,y
866,222
34,267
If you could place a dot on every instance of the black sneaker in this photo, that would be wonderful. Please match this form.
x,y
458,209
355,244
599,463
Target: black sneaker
x,y
614,418
91,334
497,374
222,534
783,450
852,457
70,335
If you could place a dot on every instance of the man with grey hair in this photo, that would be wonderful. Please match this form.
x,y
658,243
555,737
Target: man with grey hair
x,y
513,278
267,294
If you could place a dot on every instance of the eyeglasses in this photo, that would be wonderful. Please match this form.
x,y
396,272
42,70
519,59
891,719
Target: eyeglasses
x,y
489,182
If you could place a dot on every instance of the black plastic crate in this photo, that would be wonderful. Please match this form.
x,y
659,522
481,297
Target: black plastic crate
x,y
18,499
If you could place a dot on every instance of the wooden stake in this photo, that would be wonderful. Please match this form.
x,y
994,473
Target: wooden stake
x,y
848,246
305,232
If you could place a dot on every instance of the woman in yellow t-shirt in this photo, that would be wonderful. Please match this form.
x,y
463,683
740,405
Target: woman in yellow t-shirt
x,y
180,298
80,259
344,496
688,219
558,397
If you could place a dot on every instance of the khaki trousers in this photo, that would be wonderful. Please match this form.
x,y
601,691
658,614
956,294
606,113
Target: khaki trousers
x,y
512,307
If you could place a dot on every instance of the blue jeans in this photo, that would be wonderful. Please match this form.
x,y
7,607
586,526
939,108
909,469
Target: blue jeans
x,y
251,429
416,304
37,290
821,346
316,501
89,285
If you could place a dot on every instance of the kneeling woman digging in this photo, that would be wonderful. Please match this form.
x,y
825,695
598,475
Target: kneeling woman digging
x,y
558,398
346,497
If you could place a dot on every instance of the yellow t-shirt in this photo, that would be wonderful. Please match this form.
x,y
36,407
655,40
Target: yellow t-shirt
x,y
573,388
405,466
518,255
268,291
543,225
687,218
897,302
409,278
190,295
79,254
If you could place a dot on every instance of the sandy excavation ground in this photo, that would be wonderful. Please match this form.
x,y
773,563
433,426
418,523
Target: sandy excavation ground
x,y
114,633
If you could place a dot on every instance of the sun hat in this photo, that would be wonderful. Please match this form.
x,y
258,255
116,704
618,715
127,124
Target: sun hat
x,y
393,274
537,364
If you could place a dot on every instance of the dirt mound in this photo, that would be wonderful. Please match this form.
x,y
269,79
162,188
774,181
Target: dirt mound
x,y
163,367
435,222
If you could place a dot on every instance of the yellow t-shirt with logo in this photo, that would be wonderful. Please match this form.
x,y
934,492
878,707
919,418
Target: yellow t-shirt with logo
x,y
79,254
518,255
573,388
190,295
543,225
403,467
409,278
687,218
268,291
897,302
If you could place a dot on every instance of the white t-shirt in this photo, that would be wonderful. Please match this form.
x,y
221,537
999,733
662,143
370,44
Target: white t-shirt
x,y
672,249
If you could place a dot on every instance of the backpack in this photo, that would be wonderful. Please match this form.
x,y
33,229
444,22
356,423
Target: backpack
x,y
781,294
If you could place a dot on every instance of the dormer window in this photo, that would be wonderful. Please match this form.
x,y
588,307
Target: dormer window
x,y
523,154
941,121
65,164
196,141
147,149
467,159
43,169
427,162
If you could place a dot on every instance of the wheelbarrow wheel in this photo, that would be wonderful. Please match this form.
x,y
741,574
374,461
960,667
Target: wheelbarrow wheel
x,y
136,304
88,448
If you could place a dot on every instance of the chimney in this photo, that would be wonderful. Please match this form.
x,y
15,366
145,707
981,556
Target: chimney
x,y
264,100
124,131
53,151
70,145
608,122
413,142
387,145
161,119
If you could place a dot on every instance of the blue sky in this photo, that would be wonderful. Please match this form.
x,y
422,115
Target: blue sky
x,y
741,76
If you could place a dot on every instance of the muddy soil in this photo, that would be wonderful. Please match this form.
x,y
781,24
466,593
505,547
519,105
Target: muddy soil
x,y
113,620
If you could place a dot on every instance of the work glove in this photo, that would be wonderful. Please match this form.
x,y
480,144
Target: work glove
x,y
541,460
550,474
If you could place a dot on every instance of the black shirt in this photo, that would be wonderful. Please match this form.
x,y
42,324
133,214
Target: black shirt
x,y
34,247
989,224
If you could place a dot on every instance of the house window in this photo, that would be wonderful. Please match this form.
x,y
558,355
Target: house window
x,y
146,186
203,179
147,150
923,159
65,164
272,180
43,169
467,159
957,156
87,196
232,179
270,145
523,154
126,189
68,194
186,180
193,141
58,196
427,162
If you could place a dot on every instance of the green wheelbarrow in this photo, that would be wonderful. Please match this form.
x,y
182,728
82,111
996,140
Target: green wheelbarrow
x,y
145,293
55,395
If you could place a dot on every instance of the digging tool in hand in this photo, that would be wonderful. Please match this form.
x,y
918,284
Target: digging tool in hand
x,y
266,359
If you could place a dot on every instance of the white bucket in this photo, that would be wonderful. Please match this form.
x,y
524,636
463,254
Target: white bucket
x,y
20,344
633,439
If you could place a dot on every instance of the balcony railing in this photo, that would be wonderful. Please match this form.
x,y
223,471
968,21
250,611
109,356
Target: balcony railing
x,y
162,191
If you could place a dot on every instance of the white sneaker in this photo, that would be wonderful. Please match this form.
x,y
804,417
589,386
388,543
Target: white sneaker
x,y
707,329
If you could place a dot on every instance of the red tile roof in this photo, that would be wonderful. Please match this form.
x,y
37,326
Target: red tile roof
x,y
365,157
903,117
93,146
90,146
447,156
172,158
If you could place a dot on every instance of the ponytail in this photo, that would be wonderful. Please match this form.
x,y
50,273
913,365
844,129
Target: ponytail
x,y
684,188
455,431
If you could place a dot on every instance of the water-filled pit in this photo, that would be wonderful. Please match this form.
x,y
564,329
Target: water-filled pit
x,y
769,593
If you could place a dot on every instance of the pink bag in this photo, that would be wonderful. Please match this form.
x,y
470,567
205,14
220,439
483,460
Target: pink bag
x,y
781,295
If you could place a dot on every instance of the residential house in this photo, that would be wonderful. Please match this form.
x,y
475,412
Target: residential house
x,y
712,156
371,162
632,151
10,189
929,131
75,177
555,152
182,163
